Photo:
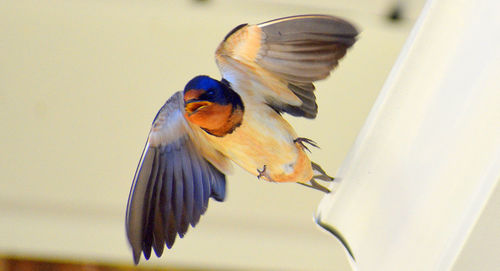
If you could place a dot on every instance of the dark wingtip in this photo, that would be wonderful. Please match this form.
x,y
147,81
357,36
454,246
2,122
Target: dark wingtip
x,y
335,232
147,253
158,250
137,256
171,238
170,243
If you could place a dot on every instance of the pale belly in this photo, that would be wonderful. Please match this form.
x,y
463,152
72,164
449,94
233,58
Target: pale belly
x,y
265,141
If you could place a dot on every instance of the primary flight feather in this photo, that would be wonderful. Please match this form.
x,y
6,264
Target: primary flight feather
x,y
267,69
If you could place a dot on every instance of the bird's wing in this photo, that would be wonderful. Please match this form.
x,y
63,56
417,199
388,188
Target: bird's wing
x,y
172,183
280,59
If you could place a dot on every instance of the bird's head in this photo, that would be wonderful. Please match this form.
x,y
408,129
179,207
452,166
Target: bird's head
x,y
212,105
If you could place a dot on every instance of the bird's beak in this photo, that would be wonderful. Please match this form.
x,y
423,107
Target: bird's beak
x,y
192,106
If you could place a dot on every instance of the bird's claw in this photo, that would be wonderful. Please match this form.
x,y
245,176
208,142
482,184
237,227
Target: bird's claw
x,y
262,173
302,140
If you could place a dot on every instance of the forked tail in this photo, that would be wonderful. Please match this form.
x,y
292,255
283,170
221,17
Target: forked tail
x,y
319,174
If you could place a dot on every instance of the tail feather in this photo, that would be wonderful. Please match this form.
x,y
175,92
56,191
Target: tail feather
x,y
320,174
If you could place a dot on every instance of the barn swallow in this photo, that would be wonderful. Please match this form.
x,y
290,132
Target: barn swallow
x,y
268,69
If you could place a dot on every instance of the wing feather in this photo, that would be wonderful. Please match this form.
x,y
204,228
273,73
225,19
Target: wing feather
x,y
158,232
198,207
149,207
173,182
206,185
178,193
285,56
189,189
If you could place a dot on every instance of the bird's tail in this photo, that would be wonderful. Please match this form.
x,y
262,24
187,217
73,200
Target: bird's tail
x,y
319,174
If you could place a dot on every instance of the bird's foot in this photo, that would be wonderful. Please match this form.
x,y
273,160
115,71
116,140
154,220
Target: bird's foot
x,y
263,174
302,140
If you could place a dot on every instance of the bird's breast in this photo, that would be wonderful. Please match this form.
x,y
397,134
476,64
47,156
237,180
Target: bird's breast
x,y
265,139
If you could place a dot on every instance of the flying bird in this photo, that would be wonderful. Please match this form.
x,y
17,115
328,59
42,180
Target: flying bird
x,y
267,69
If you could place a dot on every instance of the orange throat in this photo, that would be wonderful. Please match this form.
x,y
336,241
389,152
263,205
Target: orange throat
x,y
215,119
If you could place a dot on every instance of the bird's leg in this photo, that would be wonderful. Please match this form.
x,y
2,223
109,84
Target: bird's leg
x,y
263,173
302,140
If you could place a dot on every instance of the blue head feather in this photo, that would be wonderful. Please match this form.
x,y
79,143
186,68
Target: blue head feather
x,y
215,91
202,82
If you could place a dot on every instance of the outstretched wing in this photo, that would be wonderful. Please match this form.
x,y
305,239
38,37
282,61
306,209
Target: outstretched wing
x,y
172,184
279,60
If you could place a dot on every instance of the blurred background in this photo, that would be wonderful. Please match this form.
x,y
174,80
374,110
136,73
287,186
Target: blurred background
x,y
80,83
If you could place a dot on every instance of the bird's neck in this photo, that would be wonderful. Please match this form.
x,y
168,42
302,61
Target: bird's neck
x,y
220,119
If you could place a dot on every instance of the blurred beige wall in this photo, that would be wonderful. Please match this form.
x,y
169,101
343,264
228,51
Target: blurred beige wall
x,y
80,82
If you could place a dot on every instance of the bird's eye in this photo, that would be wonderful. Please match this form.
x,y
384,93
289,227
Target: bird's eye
x,y
210,92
